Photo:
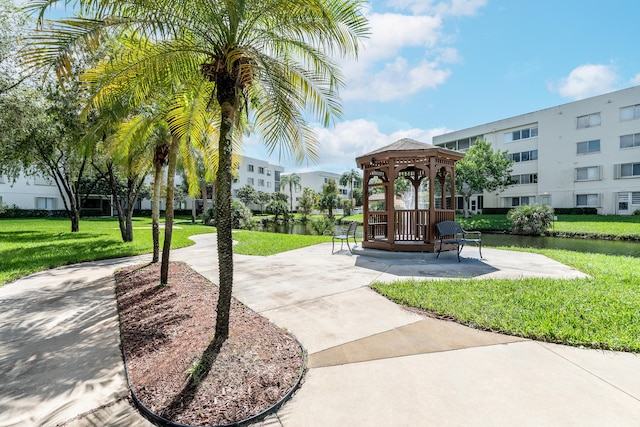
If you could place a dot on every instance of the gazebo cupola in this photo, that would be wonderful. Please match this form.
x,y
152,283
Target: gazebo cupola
x,y
409,186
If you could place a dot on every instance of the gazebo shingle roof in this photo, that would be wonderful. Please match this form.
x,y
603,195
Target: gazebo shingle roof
x,y
404,144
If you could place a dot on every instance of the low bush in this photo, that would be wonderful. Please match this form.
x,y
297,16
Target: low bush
x,y
530,220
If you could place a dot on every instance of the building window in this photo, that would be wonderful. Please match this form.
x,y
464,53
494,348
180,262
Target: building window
x,y
588,121
268,184
524,156
630,112
261,170
627,170
586,147
45,203
250,168
588,174
2,179
261,183
42,180
630,141
521,201
528,178
517,135
268,172
591,200
250,181
635,198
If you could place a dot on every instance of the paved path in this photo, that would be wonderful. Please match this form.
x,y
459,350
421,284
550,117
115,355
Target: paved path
x,y
371,362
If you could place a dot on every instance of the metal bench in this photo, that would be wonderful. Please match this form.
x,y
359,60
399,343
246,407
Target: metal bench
x,y
343,236
451,233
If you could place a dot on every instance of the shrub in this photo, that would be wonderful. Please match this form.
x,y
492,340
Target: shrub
x,y
322,225
530,219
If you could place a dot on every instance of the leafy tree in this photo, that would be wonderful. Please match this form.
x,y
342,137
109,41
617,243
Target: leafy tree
x,y
347,205
278,206
329,199
41,134
306,203
266,60
292,181
13,23
530,219
262,199
247,194
482,169
357,196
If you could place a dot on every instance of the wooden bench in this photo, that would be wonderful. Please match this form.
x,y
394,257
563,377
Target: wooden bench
x,y
451,233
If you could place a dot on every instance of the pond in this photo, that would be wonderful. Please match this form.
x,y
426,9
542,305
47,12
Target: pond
x,y
610,247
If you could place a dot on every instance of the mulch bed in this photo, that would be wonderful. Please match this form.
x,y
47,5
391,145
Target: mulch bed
x,y
167,334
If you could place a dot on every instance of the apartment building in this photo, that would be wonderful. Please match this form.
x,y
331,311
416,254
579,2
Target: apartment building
x,y
580,154
30,192
315,180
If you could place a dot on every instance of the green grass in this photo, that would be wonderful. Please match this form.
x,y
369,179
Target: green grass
x,y
599,312
263,243
31,245
596,225
620,226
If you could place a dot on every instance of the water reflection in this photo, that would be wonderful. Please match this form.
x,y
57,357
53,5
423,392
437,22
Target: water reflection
x,y
609,247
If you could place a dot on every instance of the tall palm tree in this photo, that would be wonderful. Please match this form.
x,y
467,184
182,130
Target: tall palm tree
x,y
293,181
349,178
269,62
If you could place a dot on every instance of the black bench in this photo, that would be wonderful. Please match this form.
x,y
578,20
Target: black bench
x,y
343,236
451,233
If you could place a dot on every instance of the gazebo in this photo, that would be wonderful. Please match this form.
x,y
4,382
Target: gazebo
x,y
409,186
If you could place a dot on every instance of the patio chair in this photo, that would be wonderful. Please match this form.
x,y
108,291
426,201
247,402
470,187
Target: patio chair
x,y
451,233
340,234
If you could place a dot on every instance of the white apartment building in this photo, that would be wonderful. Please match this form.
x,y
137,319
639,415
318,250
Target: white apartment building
x,y
30,192
260,174
315,180
581,154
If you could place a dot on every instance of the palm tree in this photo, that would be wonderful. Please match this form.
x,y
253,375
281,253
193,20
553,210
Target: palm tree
x,y
292,180
349,178
268,61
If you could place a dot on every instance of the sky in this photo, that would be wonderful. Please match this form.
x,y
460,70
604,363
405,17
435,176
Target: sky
x,y
434,66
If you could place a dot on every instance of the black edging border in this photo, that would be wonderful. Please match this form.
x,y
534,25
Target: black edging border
x,y
161,421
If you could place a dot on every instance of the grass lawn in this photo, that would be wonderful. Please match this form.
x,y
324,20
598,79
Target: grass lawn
x,y
31,245
263,243
600,312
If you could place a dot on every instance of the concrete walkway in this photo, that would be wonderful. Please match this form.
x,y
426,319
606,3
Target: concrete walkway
x,y
371,362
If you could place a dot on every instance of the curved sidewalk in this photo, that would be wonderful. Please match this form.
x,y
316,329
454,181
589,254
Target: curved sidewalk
x,y
371,362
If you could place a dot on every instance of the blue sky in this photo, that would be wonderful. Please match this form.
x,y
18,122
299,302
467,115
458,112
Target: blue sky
x,y
432,66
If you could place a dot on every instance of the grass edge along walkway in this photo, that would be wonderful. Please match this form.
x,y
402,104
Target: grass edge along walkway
x,y
599,312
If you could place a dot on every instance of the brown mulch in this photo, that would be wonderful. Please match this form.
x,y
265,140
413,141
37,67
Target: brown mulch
x,y
167,334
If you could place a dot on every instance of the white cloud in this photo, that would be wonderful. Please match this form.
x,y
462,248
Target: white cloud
x,y
340,145
403,56
636,79
585,81
405,53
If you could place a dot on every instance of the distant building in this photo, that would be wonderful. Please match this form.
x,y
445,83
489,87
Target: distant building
x,y
260,174
30,192
581,154
314,180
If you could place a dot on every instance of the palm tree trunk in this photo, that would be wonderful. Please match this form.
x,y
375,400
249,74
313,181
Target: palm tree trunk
x,y
159,157
168,216
223,209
